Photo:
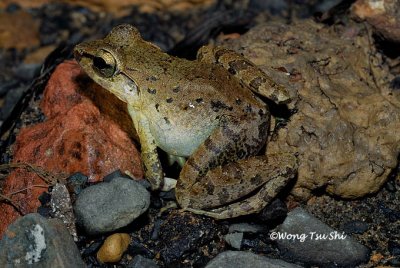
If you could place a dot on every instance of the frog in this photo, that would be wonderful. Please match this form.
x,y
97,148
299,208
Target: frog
x,y
207,111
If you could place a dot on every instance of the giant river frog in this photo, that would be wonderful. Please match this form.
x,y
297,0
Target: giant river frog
x,y
204,110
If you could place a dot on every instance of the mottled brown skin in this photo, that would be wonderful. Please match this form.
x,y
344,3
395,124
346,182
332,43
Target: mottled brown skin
x,y
204,110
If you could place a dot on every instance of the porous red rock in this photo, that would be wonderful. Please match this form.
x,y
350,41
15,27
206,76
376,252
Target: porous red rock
x,y
75,137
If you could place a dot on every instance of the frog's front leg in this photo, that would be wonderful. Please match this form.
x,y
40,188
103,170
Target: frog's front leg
x,y
217,178
151,162
252,76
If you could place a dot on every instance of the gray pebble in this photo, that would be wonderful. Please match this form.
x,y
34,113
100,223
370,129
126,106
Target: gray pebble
x,y
242,259
302,244
107,206
34,241
234,240
246,228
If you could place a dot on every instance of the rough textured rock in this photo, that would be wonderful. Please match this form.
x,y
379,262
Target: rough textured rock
x,y
304,238
113,247
244,259
61,208
346,126
383,15
107,206
33,241
75,137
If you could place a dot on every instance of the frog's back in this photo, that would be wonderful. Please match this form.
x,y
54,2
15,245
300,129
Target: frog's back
x,y
208,88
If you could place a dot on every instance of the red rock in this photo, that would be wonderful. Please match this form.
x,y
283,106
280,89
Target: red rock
x,y
75,137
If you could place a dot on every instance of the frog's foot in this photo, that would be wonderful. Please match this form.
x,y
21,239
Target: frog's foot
x,y
253,204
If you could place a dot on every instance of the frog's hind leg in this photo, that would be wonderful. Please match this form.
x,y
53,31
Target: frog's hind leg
x,y
246,71
276,178
202,178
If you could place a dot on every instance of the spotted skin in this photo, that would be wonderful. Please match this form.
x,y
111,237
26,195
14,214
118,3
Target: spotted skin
x,y
265,189
204,110
244,70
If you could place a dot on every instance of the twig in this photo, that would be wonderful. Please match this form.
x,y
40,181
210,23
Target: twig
x,y
5,199
47,177
12,203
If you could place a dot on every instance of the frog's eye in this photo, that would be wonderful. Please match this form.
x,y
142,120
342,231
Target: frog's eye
x,y
105,64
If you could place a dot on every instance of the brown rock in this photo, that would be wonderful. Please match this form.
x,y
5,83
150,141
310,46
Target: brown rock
x,y
114,246
76,137
39,55
18,30
383,15
120,8
23,3
347,121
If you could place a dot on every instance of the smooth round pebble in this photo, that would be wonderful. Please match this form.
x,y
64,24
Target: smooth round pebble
x,y
108,206
113,247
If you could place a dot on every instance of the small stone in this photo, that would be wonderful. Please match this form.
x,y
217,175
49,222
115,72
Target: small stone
x,y
107,206
34,241
61,207
234,240
44,198
246,228
169,184
141,262
306,239
274,213
242,259
76,182
114,246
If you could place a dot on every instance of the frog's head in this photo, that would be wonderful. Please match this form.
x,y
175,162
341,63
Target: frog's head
x,y
104,61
